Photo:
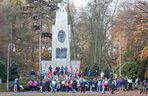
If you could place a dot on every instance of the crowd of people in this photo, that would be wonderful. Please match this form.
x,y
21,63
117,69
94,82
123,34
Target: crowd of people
x,y
66,79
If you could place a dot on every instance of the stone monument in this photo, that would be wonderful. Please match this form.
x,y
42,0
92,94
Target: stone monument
x,y
61,38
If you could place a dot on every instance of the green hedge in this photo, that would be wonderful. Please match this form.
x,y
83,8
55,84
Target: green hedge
x,y
130,69
2,87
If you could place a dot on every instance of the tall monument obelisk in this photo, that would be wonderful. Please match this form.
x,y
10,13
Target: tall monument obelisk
x,y
61,38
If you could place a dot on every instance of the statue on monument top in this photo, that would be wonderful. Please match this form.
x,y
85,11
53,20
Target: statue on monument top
x,y
62,6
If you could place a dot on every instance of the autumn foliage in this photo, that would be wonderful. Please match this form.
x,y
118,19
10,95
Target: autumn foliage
x,y
130,27
144,53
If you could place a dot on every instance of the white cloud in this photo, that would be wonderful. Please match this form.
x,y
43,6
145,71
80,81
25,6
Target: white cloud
x,y
80,3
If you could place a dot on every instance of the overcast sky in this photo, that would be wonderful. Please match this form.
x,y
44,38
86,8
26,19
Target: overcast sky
x,y
80,3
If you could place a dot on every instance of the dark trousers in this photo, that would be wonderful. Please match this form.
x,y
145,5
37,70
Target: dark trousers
x,y
112,90
35,88
31,88
83,89
66,89
43,88
62,87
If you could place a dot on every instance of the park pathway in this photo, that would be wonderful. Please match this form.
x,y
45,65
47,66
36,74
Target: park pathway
x,y
128,93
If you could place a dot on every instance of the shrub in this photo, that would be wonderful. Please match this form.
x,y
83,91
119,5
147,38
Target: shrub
x,y
3,74
130,69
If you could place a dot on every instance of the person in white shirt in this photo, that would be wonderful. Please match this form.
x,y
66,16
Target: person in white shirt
x,y
102,74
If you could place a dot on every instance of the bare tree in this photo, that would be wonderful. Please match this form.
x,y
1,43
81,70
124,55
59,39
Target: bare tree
x,y
97,21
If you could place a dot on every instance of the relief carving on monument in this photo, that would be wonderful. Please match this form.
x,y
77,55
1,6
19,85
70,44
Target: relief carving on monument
x,y
61,53
61,36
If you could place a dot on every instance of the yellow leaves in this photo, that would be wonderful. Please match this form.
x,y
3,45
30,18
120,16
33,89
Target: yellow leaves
x,y
144,53
137,35
131,28
16,3
46,55
143,27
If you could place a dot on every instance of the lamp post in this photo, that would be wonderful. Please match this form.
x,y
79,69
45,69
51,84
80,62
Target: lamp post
x,y
120,57
40,50
8,62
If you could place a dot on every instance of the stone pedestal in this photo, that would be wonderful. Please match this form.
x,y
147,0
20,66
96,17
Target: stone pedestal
x,y
46,64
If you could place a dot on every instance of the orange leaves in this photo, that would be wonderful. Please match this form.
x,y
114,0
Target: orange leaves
x,y
141,31
130,26
46,55
136,36
144,53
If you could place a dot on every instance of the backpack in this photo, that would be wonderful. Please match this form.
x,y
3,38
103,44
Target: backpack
x,y
144,83
30,83
35,83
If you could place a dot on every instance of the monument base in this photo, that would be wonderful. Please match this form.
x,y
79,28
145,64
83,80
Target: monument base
x,y
45,65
